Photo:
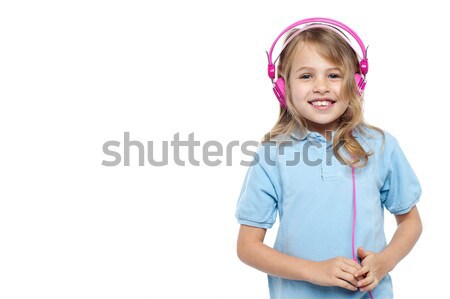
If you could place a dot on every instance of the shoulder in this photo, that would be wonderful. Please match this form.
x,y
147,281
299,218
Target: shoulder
x,y
377,140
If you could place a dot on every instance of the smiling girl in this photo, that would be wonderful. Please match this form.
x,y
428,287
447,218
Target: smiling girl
x,y
331,241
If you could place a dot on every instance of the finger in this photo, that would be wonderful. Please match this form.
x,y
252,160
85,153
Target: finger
x,y
349,278
352,263
365,282
345,284
362,253
349,269
370,287
363,271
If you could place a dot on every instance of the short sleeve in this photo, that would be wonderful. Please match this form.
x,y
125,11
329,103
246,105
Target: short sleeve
x,y
401,189
257,202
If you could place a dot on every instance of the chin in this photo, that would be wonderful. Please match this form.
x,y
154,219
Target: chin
x,y
323,122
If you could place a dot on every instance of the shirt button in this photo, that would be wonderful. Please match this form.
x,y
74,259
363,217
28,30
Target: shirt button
x,y
328,163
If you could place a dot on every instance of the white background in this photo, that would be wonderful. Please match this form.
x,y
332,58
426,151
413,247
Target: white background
x,y
75,74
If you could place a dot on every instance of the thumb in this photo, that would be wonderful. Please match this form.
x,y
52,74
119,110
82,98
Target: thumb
x,y
362,253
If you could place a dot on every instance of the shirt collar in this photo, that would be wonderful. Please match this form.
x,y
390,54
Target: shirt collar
x,y
297,134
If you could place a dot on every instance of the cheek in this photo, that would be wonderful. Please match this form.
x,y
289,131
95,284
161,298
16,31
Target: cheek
x,y
338,88
299,100
298,92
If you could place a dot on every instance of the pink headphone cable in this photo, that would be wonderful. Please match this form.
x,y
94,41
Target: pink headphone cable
x,y
354,221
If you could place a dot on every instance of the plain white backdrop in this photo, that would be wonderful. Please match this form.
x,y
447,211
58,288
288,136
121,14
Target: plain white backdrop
x,y
76,74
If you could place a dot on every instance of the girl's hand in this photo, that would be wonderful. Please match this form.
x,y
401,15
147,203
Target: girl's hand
x,y
338,271
372,270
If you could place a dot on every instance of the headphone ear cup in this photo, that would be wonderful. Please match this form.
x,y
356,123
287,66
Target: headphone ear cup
x,y
279,89
360,83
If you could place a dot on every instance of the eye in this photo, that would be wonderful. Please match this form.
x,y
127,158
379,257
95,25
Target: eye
x,y
334,76
305,76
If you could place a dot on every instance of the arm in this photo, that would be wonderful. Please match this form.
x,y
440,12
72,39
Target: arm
x,y
252,251
409,229
377,265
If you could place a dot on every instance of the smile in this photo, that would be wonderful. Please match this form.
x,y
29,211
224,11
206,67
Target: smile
x,y
322,104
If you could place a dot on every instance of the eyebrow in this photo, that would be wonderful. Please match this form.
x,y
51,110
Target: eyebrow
x,y
310,68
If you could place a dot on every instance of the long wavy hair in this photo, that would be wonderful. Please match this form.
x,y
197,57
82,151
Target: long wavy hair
x,y
333,48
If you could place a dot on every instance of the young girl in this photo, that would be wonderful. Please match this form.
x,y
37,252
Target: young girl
x,y
329,175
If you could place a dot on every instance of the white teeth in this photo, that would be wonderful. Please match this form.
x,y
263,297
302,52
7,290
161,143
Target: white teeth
x,y
321,103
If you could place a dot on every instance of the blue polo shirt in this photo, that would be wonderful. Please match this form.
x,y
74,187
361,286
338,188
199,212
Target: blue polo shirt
x,y
311,191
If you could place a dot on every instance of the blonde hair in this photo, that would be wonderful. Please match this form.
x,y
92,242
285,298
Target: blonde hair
x,y
332,47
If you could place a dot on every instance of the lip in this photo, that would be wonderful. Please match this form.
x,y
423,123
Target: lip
x,y
322,108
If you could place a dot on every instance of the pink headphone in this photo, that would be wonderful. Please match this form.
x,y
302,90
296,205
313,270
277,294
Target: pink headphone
x,y
279,84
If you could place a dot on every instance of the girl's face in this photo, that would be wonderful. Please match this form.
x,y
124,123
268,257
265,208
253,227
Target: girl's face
x,y
316,86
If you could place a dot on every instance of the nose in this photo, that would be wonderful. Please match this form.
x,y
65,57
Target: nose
x,y
320,85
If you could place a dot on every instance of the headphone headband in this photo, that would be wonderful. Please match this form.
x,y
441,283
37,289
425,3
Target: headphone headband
x,y
364,65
